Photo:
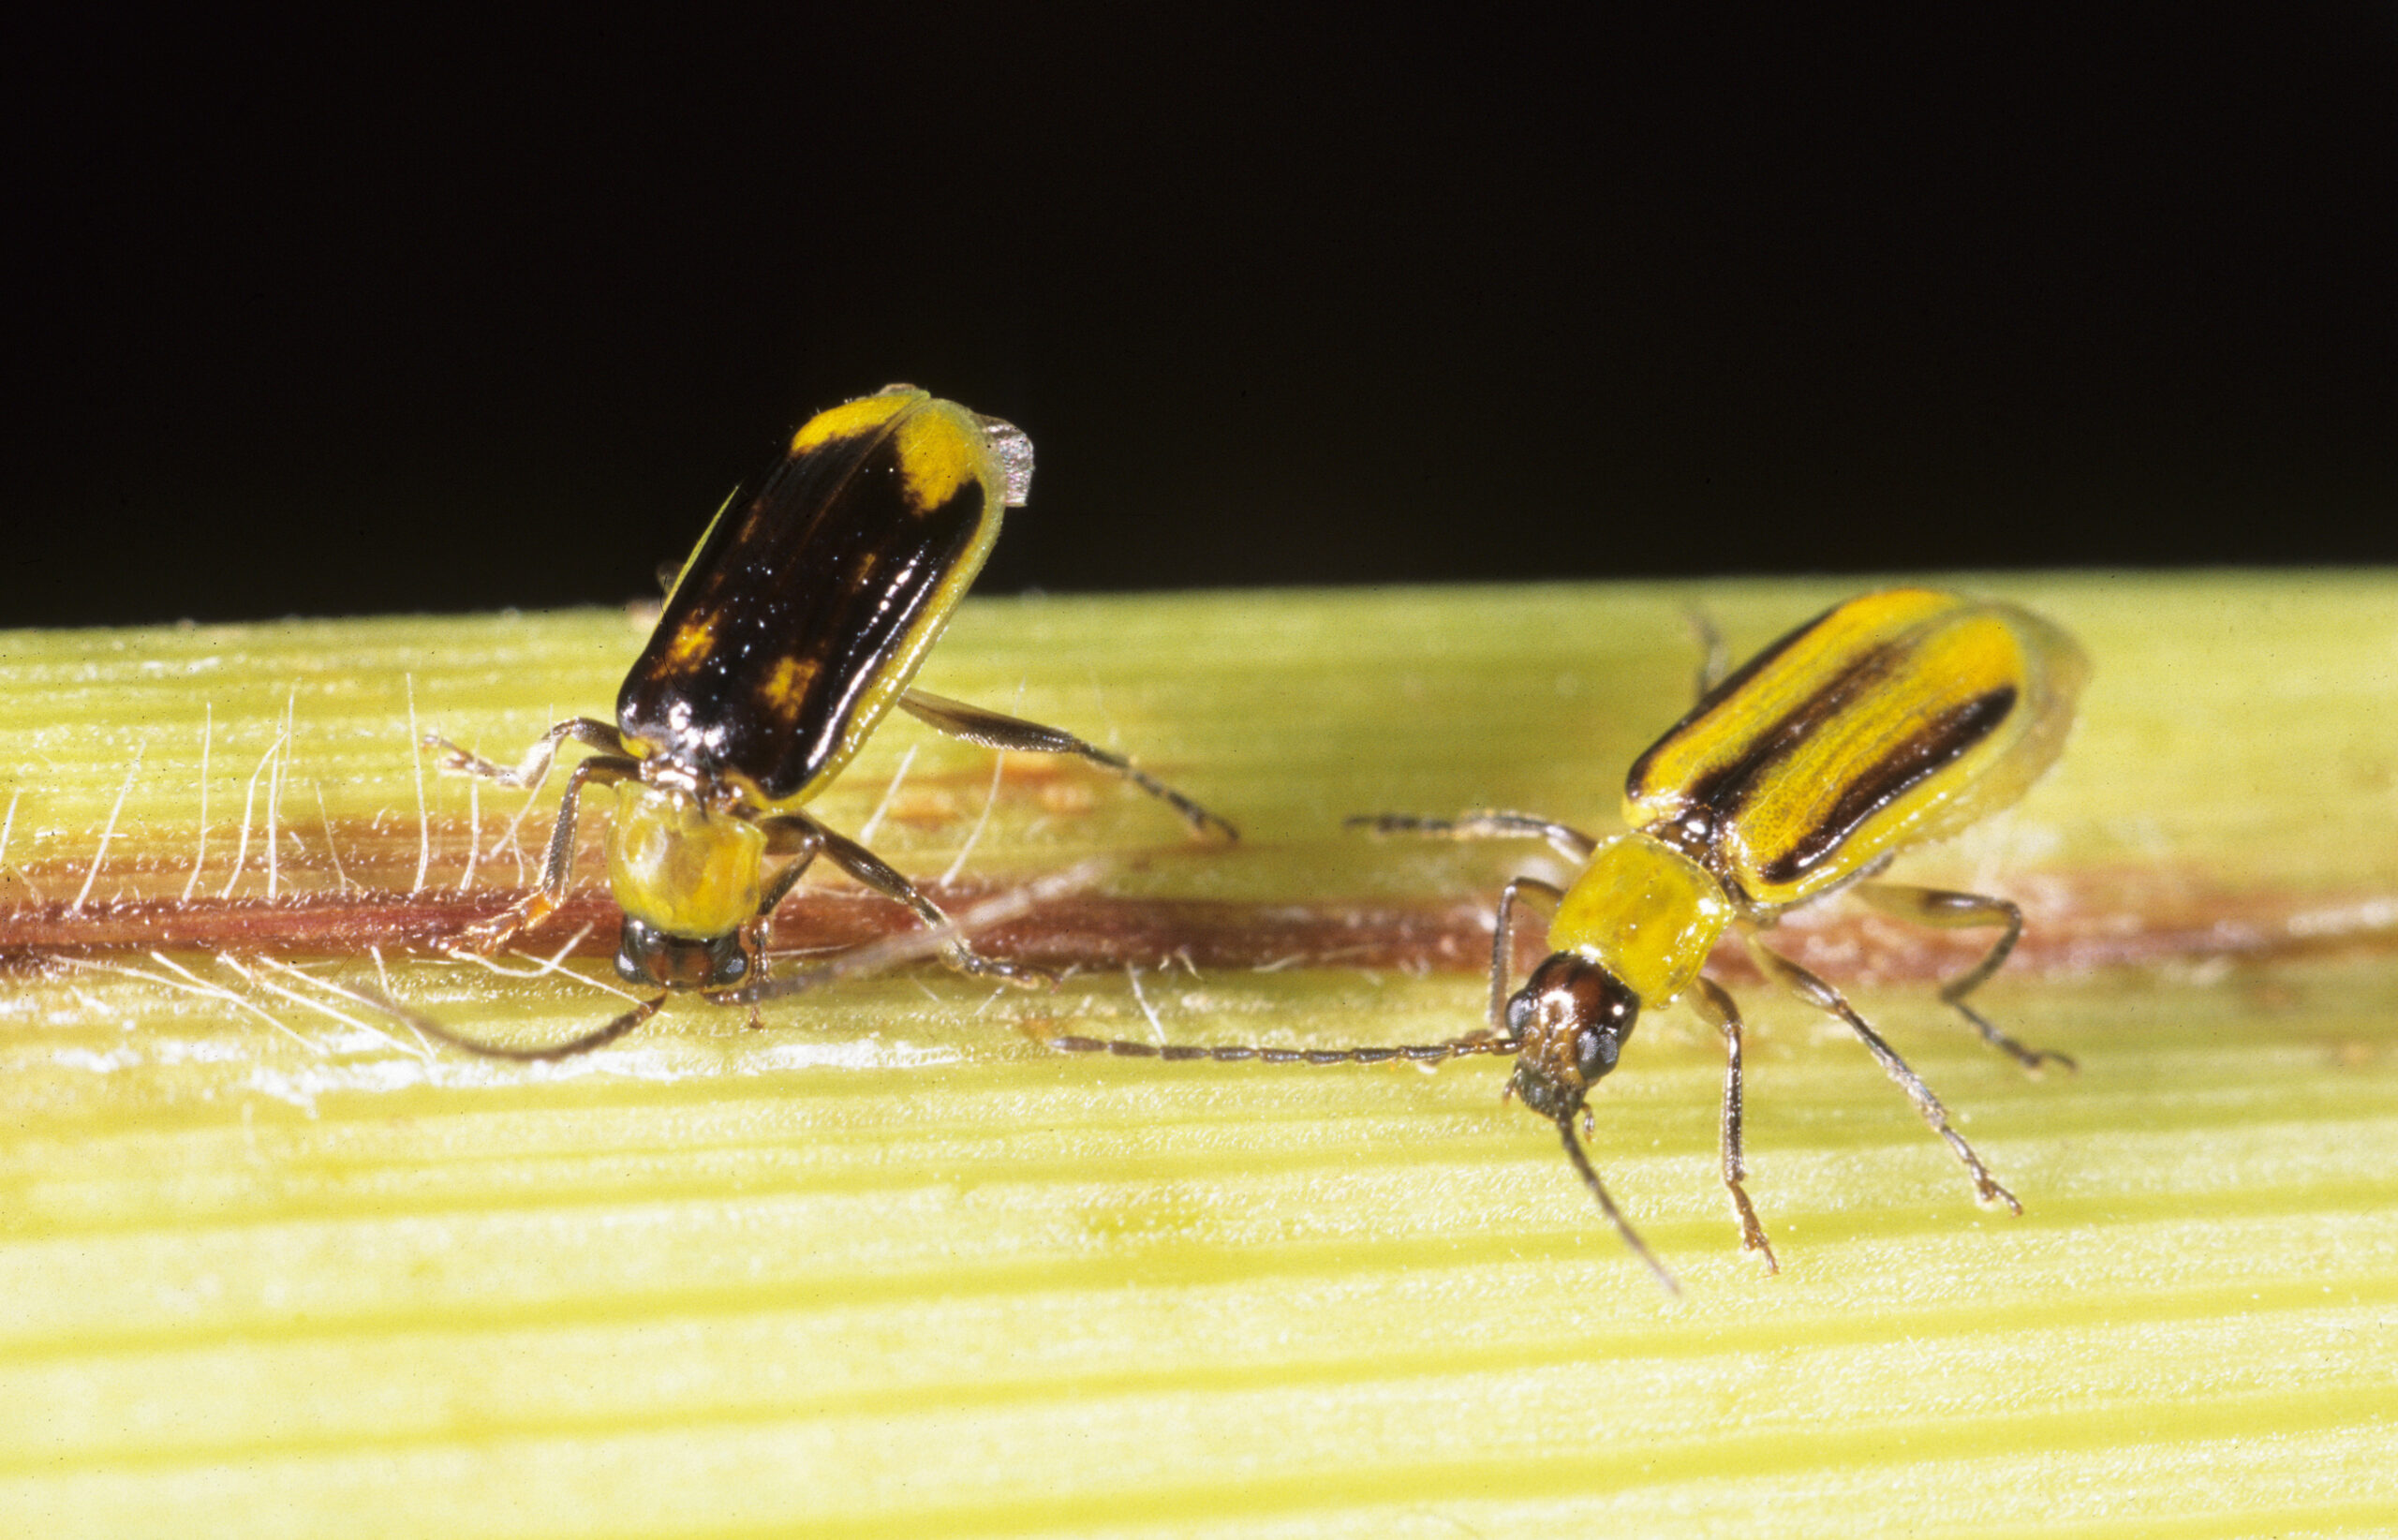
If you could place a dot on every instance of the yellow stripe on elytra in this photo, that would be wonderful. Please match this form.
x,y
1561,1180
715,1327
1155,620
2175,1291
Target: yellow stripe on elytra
x,y
940,451
852,418
1951,663
1729,733
940,447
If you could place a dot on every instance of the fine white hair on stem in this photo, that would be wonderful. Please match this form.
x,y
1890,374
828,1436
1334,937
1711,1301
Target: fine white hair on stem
x,y
999,761
274,800
874,819
207,737
383,980
990,800
912,945
474,834
416,762
225,961
100,857
319,1006
555,964
186,982
8,825
507,840
249,805
341,878
1157,1028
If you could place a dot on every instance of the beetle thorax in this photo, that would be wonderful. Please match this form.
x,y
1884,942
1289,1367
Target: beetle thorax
x,y
1644,911
682,863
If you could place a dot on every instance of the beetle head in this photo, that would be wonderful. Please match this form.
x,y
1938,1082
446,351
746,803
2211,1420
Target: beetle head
x,y
1571,1017
648,956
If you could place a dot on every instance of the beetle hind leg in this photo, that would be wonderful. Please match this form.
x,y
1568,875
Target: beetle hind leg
x,y
1824,997
1714,655
1945,909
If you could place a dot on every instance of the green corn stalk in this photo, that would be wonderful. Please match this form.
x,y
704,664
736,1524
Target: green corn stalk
x,y
889,1265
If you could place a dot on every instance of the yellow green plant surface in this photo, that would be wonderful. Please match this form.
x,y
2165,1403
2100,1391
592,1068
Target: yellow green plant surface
x,y
889,1265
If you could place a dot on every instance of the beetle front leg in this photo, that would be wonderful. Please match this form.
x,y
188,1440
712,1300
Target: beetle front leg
x,y
803,840
1945,909
1573,844
865,866
1503,939
1717,1008
989,729
800,838
556,865
535,766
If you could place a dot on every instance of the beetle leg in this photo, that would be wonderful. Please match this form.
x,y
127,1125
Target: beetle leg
x,y
1502,940
1571,844
989,729
1824,997
1716,1007
1714,657
803,840
536,906
1946,910
878,874
535,767
784,836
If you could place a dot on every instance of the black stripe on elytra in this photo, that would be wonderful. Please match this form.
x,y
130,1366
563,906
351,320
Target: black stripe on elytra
x,y
1716,797
1731,683
1940,741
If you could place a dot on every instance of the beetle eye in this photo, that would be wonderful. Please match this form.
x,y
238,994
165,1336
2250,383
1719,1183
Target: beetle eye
x,y
1519,1011
1594,1052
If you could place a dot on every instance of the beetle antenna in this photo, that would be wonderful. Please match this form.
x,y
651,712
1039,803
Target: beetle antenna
x,y
597,1038
1623,1227
1238,1052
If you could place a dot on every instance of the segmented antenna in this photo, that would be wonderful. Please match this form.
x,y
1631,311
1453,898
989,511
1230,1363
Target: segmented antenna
x,y
1243,1053
596,1038
1598,1190
1420,1053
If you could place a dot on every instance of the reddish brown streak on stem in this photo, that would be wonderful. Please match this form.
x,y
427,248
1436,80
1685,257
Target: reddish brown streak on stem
x,y
2078,923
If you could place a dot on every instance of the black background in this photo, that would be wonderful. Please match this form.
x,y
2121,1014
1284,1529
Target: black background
x,y
333,314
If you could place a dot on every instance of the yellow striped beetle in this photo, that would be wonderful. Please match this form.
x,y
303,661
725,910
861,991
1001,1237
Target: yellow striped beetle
x,y
1887,721
794,626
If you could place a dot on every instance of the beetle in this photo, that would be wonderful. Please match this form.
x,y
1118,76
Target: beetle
x,y
1887,721
793,630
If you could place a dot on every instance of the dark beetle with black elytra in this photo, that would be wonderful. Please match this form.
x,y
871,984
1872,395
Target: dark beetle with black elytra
x,y
794,626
